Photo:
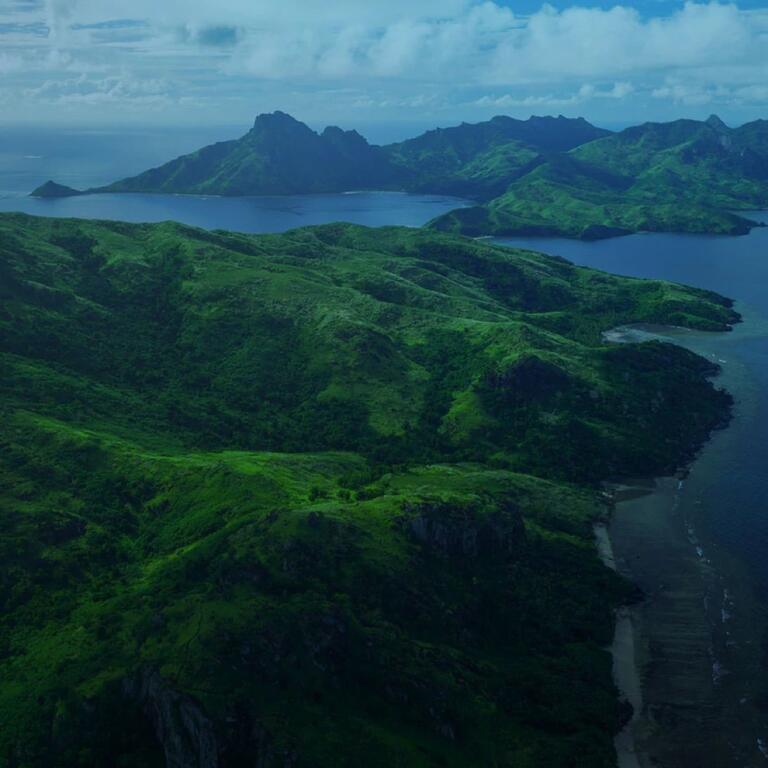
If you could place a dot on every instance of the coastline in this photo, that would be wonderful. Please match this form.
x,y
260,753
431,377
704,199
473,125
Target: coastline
x,y
686,656
626,671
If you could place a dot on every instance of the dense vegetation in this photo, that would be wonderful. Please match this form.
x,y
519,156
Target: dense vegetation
x,y
318,499
480,160
278,156
541,176
684,176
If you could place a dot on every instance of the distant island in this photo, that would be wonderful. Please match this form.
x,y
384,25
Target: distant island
x,y
541,176
322,498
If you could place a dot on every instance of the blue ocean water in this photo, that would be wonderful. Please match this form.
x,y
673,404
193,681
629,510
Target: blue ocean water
x,y
88,158
731,492
85,157
246,214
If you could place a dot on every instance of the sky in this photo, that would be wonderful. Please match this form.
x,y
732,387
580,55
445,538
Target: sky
x,y
362,62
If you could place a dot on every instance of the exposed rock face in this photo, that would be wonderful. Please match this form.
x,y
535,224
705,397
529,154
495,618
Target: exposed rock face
x,y
462,532
186,734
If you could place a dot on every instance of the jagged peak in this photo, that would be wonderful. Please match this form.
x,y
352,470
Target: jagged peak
x,y
553,118
332,130
715,122
276,118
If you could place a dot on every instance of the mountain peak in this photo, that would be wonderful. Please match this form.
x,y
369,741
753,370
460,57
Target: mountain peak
x,y
715,122
276,118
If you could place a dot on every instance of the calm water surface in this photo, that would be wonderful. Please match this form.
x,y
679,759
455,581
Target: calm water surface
x,y
84,159
699,546
246,214
733,498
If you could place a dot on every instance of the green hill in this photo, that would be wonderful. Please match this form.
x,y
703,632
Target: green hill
x,y
480,160
541,176
278,156
281,156
684,176
322,498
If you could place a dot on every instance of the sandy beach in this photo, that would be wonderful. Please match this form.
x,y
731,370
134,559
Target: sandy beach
x,y
626,671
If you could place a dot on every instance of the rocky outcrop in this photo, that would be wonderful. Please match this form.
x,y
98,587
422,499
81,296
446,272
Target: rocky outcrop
x,y
182,728
462,531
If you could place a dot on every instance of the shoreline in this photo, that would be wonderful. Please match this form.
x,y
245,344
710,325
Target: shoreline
x,y
687,656
688,669
626,671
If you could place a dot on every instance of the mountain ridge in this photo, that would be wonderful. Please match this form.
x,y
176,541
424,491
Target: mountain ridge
x,y
281,155
681,176
552,176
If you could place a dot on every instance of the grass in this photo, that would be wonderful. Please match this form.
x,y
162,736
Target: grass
x,y
683,176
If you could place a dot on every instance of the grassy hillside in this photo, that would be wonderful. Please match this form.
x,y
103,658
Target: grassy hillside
x,y
480,160
319,499
684,176
282,156
278,156
541,176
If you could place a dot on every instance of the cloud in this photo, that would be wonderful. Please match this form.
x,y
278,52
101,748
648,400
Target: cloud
x,y
58,15
689,95
584,94
109,91
488,43
113,24
38,29
218,36
10,64
581,42
439,54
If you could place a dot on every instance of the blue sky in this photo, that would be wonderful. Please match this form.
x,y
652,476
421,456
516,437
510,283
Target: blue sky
x,y
357,62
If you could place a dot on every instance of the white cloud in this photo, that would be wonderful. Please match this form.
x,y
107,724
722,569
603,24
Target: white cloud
x,y
454,52
59,14
109,91
584,94
690,95
10,64
581,42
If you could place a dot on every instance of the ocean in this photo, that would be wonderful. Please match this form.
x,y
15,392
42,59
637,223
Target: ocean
x,y
697,542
